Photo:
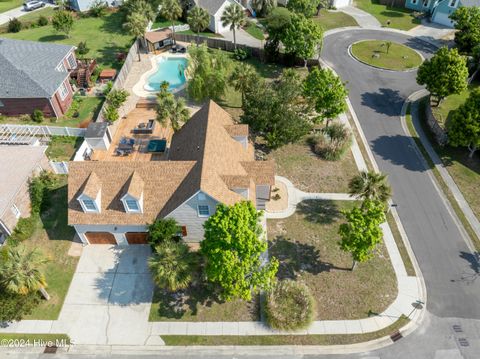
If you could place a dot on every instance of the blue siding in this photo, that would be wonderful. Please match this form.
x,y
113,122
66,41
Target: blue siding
x,y
421,5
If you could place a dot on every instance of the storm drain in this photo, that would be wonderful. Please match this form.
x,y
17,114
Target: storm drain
x,y
50,349
396,336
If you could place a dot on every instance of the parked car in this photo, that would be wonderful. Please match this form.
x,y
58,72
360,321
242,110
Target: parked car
x,y
32,5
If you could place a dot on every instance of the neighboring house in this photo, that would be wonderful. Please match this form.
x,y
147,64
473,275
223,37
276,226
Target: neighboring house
x,y
215,9
335,3
17,165
85,5
35,75
440,10
210,161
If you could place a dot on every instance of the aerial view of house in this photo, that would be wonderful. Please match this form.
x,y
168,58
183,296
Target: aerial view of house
x,y
35,76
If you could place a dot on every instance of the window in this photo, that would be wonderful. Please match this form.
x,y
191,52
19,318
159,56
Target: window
x,y
132,205
453,3
61,67
426,3
414,2
89,205
16,211
1,104
71,61
203,211
63,91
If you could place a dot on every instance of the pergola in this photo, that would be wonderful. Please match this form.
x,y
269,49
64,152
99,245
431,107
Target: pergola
x,y
20,134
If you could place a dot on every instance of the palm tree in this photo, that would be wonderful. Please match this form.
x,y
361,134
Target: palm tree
x,y
171,266
141,7
235,17
198,20
370,185
20,273
136,24
170,108
179,114
263,7
243,78
171,10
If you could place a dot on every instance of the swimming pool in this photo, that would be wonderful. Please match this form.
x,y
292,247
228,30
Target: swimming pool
x,y
170,69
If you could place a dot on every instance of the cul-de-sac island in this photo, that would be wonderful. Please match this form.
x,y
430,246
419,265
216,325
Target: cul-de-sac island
x,y
240,178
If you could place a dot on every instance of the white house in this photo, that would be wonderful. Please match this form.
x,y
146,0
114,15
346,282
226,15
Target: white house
x,y
216,8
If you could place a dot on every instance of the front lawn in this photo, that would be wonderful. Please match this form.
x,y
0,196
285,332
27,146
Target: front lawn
x,y
400,18
50,234
334,19
6,5
306,244
63,148
398,57
309,172
199,303
105,37
255,31
31,17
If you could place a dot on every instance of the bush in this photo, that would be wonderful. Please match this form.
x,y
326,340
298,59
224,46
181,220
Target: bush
x,y
332,142
117,98
14,25
37,188
289,306
37,116
82,48
108,88
163,230
14,307
42,21
241,54
98,9
23,230
110,113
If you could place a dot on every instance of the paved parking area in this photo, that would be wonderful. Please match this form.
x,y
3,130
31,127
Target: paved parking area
x,y
109,298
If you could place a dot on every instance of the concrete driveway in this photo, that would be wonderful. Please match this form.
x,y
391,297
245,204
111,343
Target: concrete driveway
x,y
16,13
109,298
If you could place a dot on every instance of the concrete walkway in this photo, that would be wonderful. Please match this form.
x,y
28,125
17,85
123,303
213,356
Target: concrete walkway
x,y
17,12
457,194
243,38
363,18
434,34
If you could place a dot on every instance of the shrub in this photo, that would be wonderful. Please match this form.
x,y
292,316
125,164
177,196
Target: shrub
x,y
110,113
42,21
23,230
82,48
289,306
98,8
37,188
241,54
25,118
15,307
108,88
332,142
117,98
37,116
14,25
163,230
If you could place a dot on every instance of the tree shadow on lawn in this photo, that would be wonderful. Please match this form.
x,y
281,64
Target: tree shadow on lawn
x,y
391,13
418,44
295,257
386,101
54,214
113,23
319,211
52,38
107,55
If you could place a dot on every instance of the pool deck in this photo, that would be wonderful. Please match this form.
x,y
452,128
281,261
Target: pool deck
x,y
139,88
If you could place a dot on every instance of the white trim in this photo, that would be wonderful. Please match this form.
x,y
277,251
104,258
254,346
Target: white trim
x,y
72,57
63,91
95,201
139,201
16,211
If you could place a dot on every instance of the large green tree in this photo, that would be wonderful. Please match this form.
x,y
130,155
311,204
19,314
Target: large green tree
x,y
307,8
136,25
14,307
243,78
464,126
146,8
302,38
171,10
235,17
276,22
198,20
170,265
467,22
163,230
277,110
263,7
362,232
444,74
170,108
327,93
62,21
233,248
208,72
370,185
21,271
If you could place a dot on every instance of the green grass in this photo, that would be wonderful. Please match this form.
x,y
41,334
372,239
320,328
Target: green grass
x,y
160,23
400,18
6,5
31,17
306,245
255,31
53,237
332,20
400,245
63,148
206,33
374,52
199,303
447,107
104,36
466,177
87,108
29,339
315,339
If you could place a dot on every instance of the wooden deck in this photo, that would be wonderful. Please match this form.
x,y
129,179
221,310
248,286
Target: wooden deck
x,y
125,128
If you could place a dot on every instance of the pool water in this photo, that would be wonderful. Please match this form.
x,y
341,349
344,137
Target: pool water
x,y
170,69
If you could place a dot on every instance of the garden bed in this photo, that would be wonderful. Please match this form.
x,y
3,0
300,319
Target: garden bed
x,y
306,244
310,173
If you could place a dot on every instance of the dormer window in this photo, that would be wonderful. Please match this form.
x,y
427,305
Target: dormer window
x,y
90,198
88,204
203,210
133,199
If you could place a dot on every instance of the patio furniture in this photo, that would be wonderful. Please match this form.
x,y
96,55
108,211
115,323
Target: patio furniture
x,y
145,129
181,49
157,146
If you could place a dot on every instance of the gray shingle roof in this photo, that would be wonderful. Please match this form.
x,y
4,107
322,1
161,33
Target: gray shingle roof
x,y
28,68
212,6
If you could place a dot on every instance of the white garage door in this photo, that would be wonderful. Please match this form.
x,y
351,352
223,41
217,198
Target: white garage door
x,y
341,3
443,19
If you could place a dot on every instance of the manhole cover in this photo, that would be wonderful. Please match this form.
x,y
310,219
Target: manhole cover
x,y
50,350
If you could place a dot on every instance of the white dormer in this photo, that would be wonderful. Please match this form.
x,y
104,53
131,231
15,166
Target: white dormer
x,y
133,199
90,198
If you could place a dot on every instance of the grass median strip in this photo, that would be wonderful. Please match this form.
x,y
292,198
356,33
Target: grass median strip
x,y
327,339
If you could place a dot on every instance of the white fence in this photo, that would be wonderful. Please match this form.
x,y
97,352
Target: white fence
x,y
59,167
28,134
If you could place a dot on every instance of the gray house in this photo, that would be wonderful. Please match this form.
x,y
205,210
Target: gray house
x,y
210,161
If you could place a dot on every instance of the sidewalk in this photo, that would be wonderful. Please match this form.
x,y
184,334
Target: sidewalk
x,y
363,18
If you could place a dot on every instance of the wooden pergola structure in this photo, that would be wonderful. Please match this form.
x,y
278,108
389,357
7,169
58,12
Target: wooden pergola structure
x,y
158,41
